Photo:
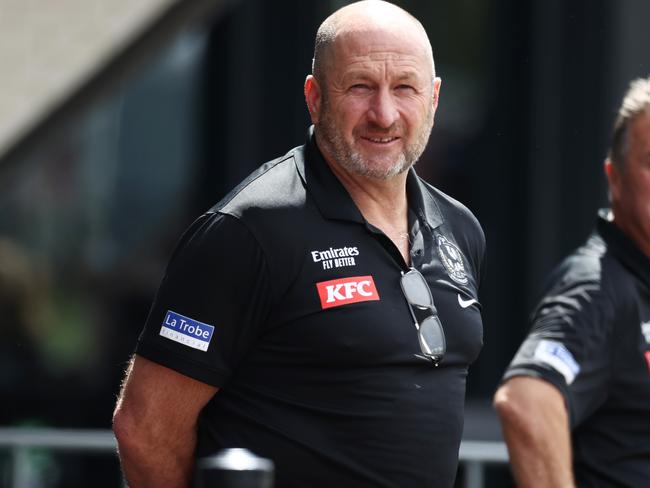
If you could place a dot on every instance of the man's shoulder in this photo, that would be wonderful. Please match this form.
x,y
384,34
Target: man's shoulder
x,y
275,185
586,262
454,213
593,263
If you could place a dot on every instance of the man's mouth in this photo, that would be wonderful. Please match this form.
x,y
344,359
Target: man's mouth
x,y
381,140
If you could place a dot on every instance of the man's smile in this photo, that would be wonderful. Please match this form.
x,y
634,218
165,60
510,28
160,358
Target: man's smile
x,y
381,140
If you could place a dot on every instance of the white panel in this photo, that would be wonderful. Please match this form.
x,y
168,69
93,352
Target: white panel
x,y
49,48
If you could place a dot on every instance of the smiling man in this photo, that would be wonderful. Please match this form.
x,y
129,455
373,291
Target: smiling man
x,y
325,313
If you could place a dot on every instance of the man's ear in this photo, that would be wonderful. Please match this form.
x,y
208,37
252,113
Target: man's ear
x,y
313,97
613,175
437,82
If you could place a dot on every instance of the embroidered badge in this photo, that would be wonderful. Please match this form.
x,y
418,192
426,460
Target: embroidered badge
x,y
558,357
452,259
187,331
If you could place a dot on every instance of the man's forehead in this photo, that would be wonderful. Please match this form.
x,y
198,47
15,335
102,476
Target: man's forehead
x,y
640,126
639,134
381,44
383,64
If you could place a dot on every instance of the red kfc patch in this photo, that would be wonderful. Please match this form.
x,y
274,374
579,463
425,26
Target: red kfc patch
x,y
335,293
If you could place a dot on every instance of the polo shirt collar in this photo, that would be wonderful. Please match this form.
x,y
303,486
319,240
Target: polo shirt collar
x,y
334,201
331,197
421,201
625,250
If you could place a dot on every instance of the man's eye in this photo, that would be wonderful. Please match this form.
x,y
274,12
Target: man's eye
x,y
405,88
359,87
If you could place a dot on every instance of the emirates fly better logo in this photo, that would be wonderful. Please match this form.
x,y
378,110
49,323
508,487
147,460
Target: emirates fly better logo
x,y
335,293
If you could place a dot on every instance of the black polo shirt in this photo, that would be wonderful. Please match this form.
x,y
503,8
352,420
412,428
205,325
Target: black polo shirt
x,y
285,298
591,339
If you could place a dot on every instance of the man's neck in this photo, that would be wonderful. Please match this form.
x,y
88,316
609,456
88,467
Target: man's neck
x,y
631,230
382,202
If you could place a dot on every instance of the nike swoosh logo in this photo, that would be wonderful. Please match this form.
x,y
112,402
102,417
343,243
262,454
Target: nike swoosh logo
x,y
466,303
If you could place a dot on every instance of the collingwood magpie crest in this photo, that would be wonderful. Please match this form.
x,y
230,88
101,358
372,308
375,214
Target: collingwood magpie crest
x,y
452,259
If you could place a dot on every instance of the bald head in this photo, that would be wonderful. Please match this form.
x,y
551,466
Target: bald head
x,y
369,16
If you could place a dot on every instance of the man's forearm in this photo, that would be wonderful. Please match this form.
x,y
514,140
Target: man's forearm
x,y
536,428
155,422
171,468
540,462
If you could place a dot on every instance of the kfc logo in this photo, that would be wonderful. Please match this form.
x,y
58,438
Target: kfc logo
x,y
335,293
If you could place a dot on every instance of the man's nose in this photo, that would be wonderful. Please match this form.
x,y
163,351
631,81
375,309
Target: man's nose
x,y
383,110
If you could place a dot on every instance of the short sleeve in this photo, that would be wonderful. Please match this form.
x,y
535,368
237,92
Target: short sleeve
x,y
212,303
569,344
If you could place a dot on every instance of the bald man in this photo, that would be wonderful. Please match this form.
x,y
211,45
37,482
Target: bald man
x,y
325,313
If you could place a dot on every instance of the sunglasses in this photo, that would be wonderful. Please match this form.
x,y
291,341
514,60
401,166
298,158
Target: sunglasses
x,y
430,332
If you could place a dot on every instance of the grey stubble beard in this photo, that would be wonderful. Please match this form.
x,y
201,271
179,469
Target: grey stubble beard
x,y
336,146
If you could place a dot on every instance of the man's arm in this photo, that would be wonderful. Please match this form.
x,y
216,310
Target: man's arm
x,y
535,425
155,424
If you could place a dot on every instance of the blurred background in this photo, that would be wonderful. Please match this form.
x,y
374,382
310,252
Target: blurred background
x,y
121,121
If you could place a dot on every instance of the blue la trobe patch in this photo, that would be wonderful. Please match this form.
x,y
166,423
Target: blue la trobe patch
x,y
187,331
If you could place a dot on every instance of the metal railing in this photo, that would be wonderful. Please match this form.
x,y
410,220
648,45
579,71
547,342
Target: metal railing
x,y
19,441
474,455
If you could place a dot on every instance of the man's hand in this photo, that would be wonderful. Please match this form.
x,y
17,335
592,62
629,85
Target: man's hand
x,y
536,428
155,424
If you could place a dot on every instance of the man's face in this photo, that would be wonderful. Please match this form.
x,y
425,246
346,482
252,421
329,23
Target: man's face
x,y
377,103
630,184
